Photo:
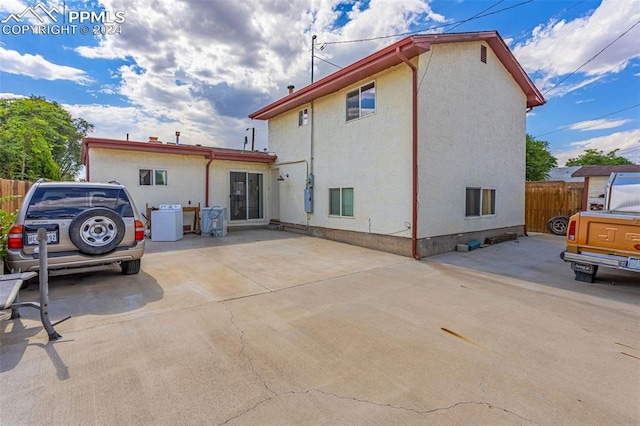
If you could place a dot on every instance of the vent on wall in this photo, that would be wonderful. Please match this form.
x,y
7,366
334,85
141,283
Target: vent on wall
x,y
483,54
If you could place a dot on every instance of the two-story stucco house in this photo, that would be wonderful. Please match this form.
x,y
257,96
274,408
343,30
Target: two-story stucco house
x,y
413,149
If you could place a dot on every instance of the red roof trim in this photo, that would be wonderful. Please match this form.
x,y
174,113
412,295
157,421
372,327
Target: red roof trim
x,y
206,152
386,58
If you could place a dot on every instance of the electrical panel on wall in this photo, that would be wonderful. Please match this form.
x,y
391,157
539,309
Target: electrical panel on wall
x,y
308,200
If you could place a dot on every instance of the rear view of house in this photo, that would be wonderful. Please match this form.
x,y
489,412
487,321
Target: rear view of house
x,y
412,150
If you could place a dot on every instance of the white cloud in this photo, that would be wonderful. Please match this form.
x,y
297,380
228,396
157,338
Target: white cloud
x,y
11,96
37,67
12,6
597,124
627,142
17,6
558,48
204,66
113,122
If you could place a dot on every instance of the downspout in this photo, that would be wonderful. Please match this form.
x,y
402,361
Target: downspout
x,y
206,182
86,166
414,165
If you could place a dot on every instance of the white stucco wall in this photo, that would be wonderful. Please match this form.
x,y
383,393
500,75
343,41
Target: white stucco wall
x,y
471,134
291,142
185,177
371,154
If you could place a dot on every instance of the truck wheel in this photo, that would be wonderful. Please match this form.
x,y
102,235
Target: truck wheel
x,y
586,277
558,225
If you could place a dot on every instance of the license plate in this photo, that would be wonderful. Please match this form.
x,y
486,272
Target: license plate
x,y
52,238
633,263
582,267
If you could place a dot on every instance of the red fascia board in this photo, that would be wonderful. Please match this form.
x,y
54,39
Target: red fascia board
x,y
247,156
386,58
206,152
88,143
499,47
355,72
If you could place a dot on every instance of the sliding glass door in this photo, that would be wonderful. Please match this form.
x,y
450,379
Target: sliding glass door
x,y
246,196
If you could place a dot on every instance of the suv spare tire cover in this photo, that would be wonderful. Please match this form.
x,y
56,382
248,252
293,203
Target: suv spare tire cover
x,y
97,231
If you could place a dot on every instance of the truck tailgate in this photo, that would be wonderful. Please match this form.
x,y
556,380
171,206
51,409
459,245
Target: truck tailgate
x,y
607,232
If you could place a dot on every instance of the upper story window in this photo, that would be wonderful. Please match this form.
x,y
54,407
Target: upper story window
x,y
152,177
303,117
361,101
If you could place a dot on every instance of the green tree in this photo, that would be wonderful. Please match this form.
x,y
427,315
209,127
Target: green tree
x,y
39,139
594,157
539,159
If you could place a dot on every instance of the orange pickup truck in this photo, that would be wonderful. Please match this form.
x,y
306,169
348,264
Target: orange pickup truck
x,y
608,238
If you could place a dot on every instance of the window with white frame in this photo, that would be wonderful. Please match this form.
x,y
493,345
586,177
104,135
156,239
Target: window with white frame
x,y
148,177
303,117
341,202
480,202
361,101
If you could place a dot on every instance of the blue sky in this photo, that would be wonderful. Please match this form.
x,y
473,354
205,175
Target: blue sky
x,y
201,66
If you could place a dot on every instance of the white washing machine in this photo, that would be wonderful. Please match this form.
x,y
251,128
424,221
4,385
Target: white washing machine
x,y
167,223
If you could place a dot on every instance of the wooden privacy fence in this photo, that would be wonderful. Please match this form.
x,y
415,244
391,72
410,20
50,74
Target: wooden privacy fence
x,y
544,200
16,188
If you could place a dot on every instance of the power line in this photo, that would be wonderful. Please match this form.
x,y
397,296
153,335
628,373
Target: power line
x,y
553,17
592,58
330,63
474,16
456,23
593,119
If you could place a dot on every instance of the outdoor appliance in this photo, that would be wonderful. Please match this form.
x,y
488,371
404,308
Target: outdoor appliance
x,y
213,221
167,223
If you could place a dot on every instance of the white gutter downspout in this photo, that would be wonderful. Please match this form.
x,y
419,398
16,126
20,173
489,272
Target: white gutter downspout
x,y
414,165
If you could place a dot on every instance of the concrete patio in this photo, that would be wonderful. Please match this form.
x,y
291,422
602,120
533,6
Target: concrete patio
x,y
266,327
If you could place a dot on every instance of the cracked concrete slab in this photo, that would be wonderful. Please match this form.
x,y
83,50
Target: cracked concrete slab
x,y
264,327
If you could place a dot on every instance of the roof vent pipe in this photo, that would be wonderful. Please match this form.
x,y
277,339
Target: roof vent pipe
x,y
291,87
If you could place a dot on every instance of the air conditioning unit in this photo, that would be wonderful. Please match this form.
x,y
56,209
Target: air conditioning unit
x,y
213,221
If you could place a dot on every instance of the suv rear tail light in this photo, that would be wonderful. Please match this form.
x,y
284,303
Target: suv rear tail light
x,y
571,235
14,240
139,230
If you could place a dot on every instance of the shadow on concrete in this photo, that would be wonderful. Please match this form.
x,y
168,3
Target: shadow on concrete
x,y
235,237
536,259
97,293
14,347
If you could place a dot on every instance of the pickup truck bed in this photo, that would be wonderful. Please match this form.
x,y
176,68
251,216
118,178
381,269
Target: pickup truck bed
x,y
604,238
